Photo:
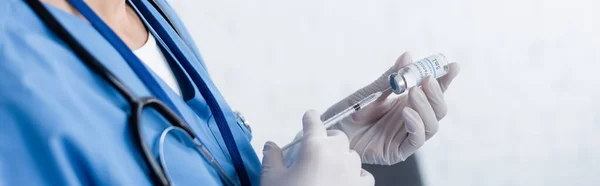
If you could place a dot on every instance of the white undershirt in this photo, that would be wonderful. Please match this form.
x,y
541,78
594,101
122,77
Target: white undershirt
x,y
151,55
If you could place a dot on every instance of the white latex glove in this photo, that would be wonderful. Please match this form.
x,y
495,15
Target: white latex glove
x,y
324,159
391,129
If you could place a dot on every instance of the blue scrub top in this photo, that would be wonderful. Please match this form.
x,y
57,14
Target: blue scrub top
x,y
61,124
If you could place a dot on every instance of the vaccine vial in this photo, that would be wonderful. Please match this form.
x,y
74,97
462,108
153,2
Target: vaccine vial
x,y
412,75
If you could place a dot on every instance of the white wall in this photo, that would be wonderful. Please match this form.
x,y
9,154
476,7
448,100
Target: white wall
x,y
523,111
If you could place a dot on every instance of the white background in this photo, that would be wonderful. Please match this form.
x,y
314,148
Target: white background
x,y
523,111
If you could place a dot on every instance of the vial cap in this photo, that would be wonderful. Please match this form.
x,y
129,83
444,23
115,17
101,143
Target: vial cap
x,y
397,83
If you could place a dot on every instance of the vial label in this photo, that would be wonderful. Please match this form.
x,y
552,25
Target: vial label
x,y
431,66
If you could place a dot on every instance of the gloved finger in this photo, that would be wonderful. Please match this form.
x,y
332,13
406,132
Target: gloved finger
x,y
379,84
272,158
340,139
419,102
312,125
379,107
375,110
447,79
366,178
416,133
434,94
382,82
291,154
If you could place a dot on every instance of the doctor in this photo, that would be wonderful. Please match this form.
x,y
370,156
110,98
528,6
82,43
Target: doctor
x,y
63,122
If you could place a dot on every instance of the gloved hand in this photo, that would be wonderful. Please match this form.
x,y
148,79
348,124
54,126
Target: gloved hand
x,y
390,130
324,159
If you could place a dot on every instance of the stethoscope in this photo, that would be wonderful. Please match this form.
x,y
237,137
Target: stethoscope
x,y
161,103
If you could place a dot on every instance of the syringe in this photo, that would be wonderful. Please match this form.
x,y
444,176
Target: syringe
x,y
409,76
341,115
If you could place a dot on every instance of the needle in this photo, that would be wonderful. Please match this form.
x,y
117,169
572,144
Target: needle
x,y
341,115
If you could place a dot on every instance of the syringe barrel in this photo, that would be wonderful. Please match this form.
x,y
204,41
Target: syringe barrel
x,y
413,74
